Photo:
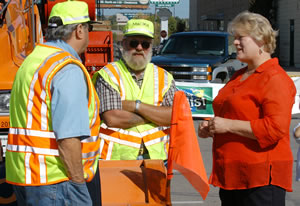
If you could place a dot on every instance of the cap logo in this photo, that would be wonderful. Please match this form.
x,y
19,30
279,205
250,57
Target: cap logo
x,y
139,27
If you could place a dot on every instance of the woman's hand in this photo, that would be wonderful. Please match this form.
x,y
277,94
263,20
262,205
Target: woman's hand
x,y
219,125
203,130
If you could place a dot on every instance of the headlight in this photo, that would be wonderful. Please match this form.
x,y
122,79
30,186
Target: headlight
x,y
198,77
4,102
201,69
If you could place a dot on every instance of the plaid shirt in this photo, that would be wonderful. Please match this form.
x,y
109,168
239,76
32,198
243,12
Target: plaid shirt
x,y
110,99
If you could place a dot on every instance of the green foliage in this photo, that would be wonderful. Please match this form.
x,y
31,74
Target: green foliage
x,y
172,25
156,23
181,25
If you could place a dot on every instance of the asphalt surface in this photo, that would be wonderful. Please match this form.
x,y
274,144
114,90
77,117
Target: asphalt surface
x,y
183,194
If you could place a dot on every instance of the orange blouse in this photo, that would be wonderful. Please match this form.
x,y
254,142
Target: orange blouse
x,y
265,99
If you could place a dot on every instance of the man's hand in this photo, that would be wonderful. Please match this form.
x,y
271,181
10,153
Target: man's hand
x,y
128,105
122,119
70,153
159,115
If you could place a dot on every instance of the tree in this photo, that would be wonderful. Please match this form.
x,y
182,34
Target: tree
x,y
156,23
181,26
172,25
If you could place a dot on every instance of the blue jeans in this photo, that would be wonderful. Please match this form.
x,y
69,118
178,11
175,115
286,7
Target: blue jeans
x,y
66,193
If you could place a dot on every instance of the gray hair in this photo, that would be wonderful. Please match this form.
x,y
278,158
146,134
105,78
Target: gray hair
x,y
57,31
62,32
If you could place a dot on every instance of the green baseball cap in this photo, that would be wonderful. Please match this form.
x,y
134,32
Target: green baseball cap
x,y
139,27
70,12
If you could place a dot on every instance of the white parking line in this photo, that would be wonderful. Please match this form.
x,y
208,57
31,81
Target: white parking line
x,y
187,202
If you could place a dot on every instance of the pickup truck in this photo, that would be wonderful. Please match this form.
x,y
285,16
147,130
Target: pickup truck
x,y
200,56
201,63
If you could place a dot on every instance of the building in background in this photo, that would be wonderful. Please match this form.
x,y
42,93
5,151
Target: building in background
x,y
289,32
214,15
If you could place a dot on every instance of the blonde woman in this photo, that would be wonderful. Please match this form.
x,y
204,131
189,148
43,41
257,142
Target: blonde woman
x,y
252,158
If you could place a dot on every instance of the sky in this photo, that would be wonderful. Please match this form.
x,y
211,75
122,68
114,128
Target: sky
x,y
181,10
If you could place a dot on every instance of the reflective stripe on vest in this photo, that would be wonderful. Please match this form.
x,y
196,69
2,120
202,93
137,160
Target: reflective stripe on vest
x,y
131,138
150,134
116,77
36,144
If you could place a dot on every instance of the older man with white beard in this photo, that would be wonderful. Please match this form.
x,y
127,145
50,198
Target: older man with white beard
x,y
136,100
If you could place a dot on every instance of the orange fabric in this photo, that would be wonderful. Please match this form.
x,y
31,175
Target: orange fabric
x,y
37,102
184,151
156,135
265,99
88,147
161,83
103,154
134,139
32,141
115,73
34,168
121,136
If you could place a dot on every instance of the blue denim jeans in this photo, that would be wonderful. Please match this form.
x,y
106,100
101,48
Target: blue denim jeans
x,y
66,193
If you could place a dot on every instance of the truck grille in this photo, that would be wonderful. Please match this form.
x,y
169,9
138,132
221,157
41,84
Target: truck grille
x,y
3,138
187,73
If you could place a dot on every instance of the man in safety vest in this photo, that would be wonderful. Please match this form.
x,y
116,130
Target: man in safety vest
x,y
136,100
53,144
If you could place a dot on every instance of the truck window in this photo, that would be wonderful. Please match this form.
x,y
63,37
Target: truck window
x,y
195,45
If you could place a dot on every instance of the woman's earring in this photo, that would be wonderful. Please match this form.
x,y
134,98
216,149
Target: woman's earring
x,y
261,50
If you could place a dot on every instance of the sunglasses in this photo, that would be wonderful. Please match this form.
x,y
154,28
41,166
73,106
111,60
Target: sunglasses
x,y
90,27
135,43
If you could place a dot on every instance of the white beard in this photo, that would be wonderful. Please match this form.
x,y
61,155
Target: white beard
x,y
136,64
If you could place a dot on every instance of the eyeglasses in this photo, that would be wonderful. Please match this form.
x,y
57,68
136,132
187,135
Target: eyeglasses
x,y
90,27
135,43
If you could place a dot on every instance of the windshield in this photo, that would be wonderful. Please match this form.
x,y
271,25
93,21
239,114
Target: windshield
x,y
195,45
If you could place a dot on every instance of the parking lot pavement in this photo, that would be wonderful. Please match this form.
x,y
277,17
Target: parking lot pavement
x,y
183,194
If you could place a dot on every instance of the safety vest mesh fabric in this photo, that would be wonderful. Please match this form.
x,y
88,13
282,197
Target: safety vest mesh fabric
x,y
32,156
124,144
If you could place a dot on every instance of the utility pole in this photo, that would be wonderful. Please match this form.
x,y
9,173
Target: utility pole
x,y
174,11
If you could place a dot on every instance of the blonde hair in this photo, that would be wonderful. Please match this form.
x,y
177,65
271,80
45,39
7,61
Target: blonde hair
x,y
256,26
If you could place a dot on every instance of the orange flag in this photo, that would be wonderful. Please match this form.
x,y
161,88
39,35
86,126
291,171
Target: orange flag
x,y
184,151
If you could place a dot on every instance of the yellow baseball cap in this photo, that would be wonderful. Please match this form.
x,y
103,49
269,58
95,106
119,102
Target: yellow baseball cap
x,y
139,27
70,12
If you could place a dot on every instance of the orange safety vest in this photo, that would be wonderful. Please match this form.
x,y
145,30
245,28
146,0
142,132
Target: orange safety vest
x,y
124,144
32,156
